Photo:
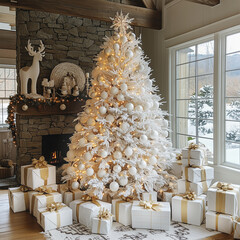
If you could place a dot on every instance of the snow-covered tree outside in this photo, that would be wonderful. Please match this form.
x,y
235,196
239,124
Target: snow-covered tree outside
x,y
121,140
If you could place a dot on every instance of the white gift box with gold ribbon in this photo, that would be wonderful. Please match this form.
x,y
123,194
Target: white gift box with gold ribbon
x,y
84,211
37,177
101,226
199,153
223,201
236,227
192,162
72,195
149,196
199,188
150,218
18,200
122,211
54,219
219,222
189,211
198,174
176,168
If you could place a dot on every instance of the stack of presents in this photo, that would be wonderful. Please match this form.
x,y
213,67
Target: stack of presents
x,y
58,205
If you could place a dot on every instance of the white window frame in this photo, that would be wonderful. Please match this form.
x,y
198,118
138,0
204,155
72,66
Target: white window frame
x,y
219,92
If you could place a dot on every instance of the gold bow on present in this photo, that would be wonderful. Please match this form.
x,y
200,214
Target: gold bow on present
x,y
128,198
41,163
150,205
179,156
55,206
224,186
44,190
193,146
189,196
92,199
25,188
104,214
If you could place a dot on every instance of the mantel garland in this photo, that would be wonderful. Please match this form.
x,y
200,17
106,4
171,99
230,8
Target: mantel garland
x,y
18,98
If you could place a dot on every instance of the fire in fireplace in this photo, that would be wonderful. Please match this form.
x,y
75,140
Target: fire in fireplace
x,y
55,147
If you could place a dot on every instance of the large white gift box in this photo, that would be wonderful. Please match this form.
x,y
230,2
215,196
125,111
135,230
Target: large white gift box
x,y
101,226
72,195
149,196
192,162
189,211
219,222
198,174
199,188
37,177
122,211
236,227
18,200
149,218
223,201
199,153
176,168
54,219
84,211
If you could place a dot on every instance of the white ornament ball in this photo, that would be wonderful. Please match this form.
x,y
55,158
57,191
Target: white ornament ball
x,y
83,119
63,107
91,137
142,164
165,134
101,173
148,83
89,172
128,151
25,107
143,138
154,173
131,36
140,67
152,160
155,105
124,87
154,151
123,181
104,95
154,134
82,142
117,168
70,154
91,122
102,110
139,108
103,153
117,155
124,126
129,107
88,110
114,90
78,127
107,51
87,156
132,170
123,39
75,185
137,50
120,97
116,36
116,47
129,54
110,118
114,186
81,166
165,123
147,105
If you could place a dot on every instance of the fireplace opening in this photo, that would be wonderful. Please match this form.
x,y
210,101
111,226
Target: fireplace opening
x,y
55,147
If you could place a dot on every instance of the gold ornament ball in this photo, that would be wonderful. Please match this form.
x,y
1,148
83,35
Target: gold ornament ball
x,y
63,107
25,107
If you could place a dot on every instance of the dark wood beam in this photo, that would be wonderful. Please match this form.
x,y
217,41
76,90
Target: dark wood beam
x,y
211,3
94,9
149,4
7,39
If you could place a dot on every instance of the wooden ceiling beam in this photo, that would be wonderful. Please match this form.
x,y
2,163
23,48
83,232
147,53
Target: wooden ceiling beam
x,y
94,9
149,4
7,39
211,3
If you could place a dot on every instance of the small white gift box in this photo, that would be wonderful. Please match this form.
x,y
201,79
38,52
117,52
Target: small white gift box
x,y
149,196
149,218
198,174
84,211
199,153
189,211
101,226
223,201
122,211
72,195
192,162
37,177
199,188
18,200
55,219
236,227
219,222
176,168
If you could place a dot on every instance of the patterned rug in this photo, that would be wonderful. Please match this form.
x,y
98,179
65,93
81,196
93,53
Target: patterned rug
x,y
177,232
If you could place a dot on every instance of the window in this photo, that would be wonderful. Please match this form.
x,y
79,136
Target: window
x,y
205,90
8,87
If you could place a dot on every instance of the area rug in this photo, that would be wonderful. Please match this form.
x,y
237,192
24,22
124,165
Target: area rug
x,y
178,231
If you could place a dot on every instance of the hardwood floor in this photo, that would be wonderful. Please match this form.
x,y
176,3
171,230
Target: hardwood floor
x,y
23,226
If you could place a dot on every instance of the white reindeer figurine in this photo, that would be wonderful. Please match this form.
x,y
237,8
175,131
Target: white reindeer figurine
x,y
32,72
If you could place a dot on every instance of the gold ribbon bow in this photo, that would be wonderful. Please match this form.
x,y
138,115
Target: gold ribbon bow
x,y
25,188
41,163
55,206
179,157
44,190
93,199
191,146
150,205
224,186
128,198
104,214
189,196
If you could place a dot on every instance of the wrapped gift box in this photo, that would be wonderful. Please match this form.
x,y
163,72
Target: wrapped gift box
x,y
176,168
199,153
84,211
150,219
101,226
122,211
223,201
189,211
198,174
199,188
149,196
62,188
18,200
236,227
55,219
219,222
72,195
37,177
192,162
167,197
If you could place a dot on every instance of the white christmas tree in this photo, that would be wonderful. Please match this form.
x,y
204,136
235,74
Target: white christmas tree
x,y
120,144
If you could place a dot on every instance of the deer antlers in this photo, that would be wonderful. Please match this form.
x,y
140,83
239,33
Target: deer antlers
x,y
32,52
